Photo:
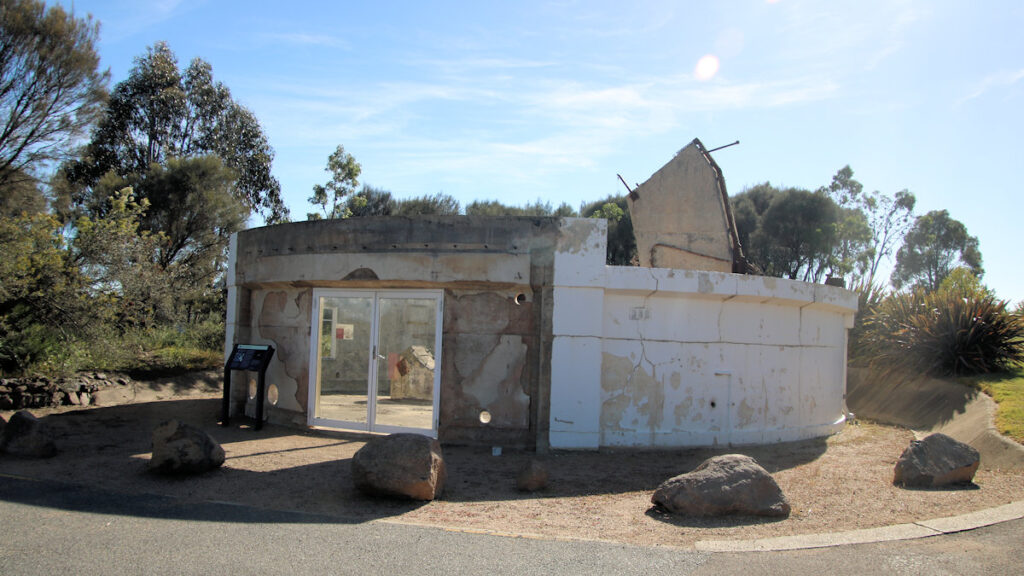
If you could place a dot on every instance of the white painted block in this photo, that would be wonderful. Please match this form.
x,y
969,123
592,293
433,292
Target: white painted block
x,y
820,327
835,298
755,323
821,385
577,311
630,279
575,391
580,253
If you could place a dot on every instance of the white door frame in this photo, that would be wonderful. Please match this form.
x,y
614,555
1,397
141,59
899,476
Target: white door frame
x,y
372,367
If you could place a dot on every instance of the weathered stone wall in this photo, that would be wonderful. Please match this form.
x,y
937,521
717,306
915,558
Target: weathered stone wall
x,y
495,273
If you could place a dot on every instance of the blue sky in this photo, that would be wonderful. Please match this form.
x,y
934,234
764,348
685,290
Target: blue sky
x,y
517,101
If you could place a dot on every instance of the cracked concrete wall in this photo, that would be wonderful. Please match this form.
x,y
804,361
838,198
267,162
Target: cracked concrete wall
x,y
491,358
560,349
696,358
496,274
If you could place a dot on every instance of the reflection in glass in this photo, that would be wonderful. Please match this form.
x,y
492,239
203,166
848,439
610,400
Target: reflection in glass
x,y
406,362
343,348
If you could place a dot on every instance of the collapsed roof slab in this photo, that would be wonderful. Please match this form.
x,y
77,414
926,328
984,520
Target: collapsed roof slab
x,y
681,216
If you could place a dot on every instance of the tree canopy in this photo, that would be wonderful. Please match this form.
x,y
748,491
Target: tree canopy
x,y
439,204
537,208
787,232
621,240
839,230
51,89
371,201
160,112
935,245
331,197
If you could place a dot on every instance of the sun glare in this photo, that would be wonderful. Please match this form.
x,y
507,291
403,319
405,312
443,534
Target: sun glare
x,y
706,67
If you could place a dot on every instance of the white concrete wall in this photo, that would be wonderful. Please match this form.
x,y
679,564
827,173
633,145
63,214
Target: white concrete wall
x,y
648,357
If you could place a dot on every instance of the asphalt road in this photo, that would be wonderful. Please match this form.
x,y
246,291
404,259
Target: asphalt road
x,y
56,529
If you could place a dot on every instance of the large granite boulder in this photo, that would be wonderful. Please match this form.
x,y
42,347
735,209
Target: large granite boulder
x,y
938,460
723,485
407,466
25,435
180,448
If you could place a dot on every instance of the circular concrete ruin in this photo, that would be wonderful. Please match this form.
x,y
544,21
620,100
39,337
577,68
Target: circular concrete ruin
x,y
521,318
393,324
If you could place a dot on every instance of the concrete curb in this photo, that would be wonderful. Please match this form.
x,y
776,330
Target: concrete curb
x,y
921,529
913,530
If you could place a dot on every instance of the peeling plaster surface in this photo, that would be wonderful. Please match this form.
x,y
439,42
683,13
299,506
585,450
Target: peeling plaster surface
x,y
496,383
698,358
280,319
495,274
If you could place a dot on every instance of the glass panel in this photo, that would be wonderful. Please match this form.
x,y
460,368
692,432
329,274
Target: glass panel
x,y
343,353
405,362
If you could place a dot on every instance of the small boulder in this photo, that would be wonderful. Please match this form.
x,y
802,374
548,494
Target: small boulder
x,y
533,477
26,435
722,485
407,466
938,460
180,448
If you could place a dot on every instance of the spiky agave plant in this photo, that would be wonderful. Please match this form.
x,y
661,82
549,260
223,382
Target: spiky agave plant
x,y
869,298
971,335
945,332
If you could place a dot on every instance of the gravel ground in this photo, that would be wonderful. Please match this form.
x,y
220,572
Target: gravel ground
x,y
840,483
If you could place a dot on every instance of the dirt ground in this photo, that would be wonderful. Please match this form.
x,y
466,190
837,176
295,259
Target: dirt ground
x,y
840,483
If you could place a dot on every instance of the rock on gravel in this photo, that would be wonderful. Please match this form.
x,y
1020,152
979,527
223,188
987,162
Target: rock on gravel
x,y
723,485
25,435
406,466
938,460
180,448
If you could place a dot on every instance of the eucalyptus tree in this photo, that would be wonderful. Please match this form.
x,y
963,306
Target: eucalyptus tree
x,y
935,245
332,196
51,88
787,232
160,112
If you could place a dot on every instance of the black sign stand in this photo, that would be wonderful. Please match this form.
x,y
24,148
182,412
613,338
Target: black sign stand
x,y
246,357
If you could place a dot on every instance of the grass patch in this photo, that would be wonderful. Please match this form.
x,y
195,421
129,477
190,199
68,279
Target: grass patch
x,y
176,360
1007,389
162,351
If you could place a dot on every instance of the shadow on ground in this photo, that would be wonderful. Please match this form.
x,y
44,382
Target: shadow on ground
x,y
104,451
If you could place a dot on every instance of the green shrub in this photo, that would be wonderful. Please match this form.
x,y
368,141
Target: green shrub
x,y
959,329
139,351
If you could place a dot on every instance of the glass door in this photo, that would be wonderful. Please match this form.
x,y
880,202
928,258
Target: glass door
x,y
376,356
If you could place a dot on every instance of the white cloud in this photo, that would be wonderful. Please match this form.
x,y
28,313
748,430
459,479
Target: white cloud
x,y
304,39
992,82
825,35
